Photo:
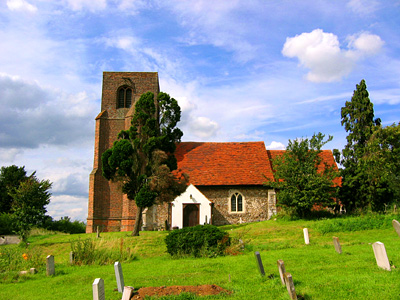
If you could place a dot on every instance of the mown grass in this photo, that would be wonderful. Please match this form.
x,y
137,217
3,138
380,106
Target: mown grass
x,y
318,271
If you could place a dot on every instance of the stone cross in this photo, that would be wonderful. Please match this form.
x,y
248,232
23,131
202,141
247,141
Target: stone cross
x,y
290,286
396,226
380,255
119,276
282,270
98,289
128,292
306,238
50,269
259,263
336,243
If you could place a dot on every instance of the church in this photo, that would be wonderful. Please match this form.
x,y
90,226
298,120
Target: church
x,y
226,180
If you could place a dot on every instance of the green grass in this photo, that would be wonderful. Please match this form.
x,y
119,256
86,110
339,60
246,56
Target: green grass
x,y
318,271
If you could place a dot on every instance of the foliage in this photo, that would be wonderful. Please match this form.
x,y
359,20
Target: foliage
x,y
200,240
6,223
143,156
10,179
64,225
381,163
29,202
358,121
302,178
16,258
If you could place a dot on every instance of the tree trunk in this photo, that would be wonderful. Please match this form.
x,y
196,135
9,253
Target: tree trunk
x,y
138,221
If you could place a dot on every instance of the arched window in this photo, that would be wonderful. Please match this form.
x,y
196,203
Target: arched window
x,y
124,97
237,202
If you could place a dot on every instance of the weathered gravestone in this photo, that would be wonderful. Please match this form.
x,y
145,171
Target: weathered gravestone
x,y
50,268
98,232
380,255
98,289
71,258
306,238
290,286
396,226
119,276
259,263
128,292
282,270
33,270
336,243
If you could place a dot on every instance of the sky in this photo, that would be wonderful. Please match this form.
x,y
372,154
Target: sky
x,y
241,70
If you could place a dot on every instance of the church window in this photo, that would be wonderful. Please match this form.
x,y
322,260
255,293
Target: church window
x,y
236,202
124,97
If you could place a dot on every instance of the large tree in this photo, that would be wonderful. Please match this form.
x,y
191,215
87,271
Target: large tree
x,y
302,178
143,156
358,120
10,179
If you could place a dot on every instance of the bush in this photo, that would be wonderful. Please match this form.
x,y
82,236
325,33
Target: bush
x,y
201,240
65,225
6,224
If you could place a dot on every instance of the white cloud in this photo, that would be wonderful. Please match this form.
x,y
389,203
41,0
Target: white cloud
x,y
91,5
320,52
203,127
21,5
71,206
363,7
276,146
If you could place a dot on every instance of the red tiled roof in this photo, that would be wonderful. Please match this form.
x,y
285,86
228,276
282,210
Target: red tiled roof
x,y
224,163
247,163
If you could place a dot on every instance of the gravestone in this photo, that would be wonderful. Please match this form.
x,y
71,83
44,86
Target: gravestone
x,y
290,286
259,263
71,258
282,270
50,268
128,292
98,289
396,226
336,243
119,276
98,232
380,255
33,270
306,238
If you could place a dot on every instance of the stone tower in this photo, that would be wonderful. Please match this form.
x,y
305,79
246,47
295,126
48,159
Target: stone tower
x,y
109,208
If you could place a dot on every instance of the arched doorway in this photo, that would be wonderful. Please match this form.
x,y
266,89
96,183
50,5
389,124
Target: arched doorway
x,y
191,215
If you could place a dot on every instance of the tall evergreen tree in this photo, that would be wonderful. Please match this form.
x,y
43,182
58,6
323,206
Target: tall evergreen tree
x,y
358,121
143,156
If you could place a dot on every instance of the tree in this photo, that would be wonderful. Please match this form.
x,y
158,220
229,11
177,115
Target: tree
x,y
143,156
29,201
302,178
381,162
358,121
10,179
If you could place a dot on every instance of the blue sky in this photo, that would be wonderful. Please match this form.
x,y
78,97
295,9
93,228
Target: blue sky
x,y
241,71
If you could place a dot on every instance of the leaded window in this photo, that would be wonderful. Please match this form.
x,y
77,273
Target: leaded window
x,y
124,97
236,202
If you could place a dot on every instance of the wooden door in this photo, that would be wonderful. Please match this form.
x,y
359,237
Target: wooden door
x,y
191,215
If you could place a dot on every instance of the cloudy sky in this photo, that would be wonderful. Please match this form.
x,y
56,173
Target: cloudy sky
x,y
242,70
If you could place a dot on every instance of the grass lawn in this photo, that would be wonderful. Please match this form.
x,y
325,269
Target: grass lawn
x,y
318,271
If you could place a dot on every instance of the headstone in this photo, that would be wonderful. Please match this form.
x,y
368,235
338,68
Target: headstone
x,y
98,289
50,268
128,292
119,276
71,258
23,273
306,238
259,263
290,286
396,226
380,255
336,243
98,231
33,270
282,270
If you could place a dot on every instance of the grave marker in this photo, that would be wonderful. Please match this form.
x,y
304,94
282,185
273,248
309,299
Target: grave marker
x,y
380,255
119,276
71,258
306,238
50,269
290,286
128,292
259,263
336,243
282,270
396,226
98,232
33,270
98,289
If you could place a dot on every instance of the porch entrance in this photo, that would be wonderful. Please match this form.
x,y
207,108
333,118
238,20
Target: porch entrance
x,y
191,215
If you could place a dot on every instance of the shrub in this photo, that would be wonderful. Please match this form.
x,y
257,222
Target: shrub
x,y
65,225
6,224
200,240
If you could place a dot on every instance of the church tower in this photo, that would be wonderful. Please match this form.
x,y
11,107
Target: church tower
x,y
109,208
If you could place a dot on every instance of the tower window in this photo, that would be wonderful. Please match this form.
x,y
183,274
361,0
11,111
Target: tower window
x,y
124,97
